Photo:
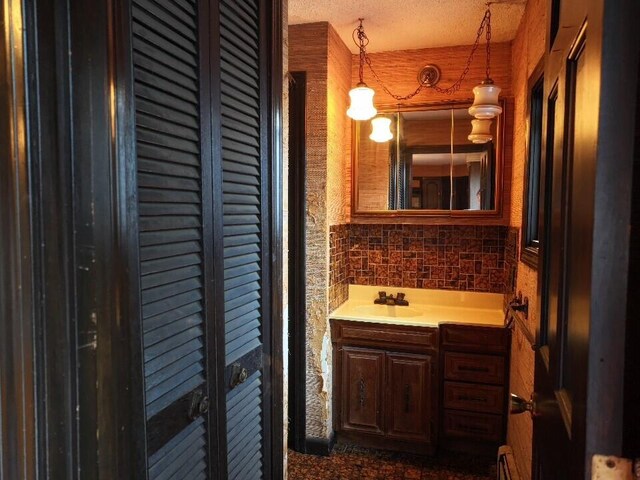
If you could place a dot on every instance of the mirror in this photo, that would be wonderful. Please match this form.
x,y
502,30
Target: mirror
x,y
430,167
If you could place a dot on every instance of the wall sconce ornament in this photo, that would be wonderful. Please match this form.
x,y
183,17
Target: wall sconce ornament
x,y
485,105
381,129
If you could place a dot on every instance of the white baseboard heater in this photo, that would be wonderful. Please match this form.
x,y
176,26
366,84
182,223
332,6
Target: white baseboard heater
x,y
506,464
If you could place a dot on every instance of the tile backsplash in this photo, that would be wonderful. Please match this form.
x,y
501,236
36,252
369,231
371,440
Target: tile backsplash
x,y
338,265
458,257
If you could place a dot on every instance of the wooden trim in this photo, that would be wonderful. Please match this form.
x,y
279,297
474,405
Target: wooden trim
x,y
133,449
320,446
17,339
52,231
273,27
297,263
216,331
529,254
619,42
208,41
435,217
549,158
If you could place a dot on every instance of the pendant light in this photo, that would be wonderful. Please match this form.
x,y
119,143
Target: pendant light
x,y
480,131
485,103
381,129
361,96
361,107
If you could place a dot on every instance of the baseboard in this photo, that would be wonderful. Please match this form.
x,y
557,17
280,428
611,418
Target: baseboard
x,y
320,446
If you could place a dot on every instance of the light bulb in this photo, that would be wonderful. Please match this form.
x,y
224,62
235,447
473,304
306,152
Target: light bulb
x,y
381,129
480,131
361,103
485,103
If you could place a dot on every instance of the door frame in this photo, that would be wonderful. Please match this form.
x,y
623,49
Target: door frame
x,y
275,139
297,263
18,409
613,48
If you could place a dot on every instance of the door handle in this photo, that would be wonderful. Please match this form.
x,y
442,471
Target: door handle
x,y
239,375
518,405
199,404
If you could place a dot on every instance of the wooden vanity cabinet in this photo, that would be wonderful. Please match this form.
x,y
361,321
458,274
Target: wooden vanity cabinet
x,y
362,397
409,387
475,373
385,378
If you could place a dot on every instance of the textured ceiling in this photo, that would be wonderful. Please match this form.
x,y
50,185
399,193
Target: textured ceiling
x,y
409,24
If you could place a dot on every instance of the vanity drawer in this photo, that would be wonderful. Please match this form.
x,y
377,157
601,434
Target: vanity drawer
x,y
468,367
387,336
476,426
473,338
477,398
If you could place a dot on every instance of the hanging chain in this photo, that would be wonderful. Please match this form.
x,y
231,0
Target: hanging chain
x,y
487,15
361,40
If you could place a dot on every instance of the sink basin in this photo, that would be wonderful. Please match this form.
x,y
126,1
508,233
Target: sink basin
x,y
387,311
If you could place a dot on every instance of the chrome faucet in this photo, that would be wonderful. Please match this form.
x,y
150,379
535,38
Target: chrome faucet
x,y
384,299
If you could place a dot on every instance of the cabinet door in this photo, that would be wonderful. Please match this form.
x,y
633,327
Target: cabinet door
x,y
361,402
409,396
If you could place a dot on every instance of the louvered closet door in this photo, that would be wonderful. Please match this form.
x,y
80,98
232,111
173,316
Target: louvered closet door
x,y
168,123
244,157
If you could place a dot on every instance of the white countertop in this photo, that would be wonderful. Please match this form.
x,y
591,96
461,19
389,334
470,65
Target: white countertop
x,y
428,308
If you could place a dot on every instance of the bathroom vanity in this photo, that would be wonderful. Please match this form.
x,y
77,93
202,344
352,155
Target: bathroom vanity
x,y
415,378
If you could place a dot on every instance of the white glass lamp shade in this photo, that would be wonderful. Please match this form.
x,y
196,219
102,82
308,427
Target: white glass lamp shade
x,y
361,103
381,129
480,131
485,104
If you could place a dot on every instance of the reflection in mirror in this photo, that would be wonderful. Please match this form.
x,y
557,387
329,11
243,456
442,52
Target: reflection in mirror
x,y
430,164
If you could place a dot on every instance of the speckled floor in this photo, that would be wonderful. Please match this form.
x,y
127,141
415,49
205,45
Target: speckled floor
x,y
347,463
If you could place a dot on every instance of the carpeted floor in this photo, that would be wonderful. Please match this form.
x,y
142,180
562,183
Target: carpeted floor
x,y
355,463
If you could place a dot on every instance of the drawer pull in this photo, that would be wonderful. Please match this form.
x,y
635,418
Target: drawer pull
x,y
468,368
407,397
362,392
468,398
473,429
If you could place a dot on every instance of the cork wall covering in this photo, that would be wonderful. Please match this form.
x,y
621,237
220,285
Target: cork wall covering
x,y
338,129
528,48
317,50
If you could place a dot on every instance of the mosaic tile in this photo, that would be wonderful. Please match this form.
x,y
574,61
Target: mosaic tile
x,y
455,257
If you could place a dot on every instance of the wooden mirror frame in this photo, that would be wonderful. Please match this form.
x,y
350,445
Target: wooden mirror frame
x,y
480,217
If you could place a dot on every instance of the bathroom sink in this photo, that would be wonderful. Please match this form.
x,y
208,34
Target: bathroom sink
x,y
387,311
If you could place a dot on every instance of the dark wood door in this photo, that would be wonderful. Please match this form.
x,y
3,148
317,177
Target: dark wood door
x,y
204,214
147,178
242,184
409,388
361,400
578,366
170,68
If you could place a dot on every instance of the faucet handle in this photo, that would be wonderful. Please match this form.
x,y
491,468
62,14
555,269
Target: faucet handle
x,y
400,296
382,295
